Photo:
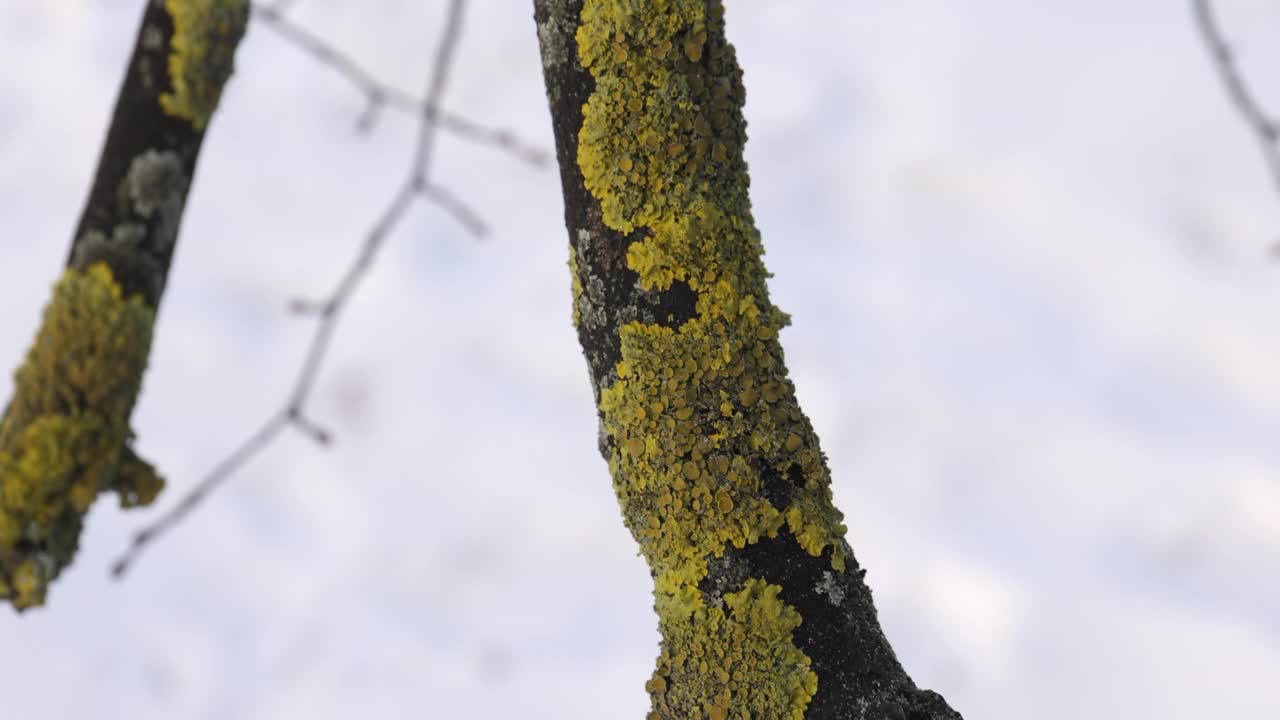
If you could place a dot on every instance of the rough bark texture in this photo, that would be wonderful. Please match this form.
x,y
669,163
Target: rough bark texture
x,y
762,607
65,435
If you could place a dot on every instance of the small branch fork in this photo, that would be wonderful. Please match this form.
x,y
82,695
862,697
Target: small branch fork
x,y
328,311
379,95
1263,126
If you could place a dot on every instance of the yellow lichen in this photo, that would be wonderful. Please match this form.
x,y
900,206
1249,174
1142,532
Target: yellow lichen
x,y
734,661
702,412
203,46
64,437
577,286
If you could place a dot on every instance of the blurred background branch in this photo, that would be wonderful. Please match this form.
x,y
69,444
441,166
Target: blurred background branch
x,y
381,95
417,185
1261,124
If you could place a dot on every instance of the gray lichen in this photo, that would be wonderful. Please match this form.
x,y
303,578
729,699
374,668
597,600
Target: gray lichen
x,y
152,41
152,37
156,188
589,300
551,36
830,587
125,239
123,249
554,35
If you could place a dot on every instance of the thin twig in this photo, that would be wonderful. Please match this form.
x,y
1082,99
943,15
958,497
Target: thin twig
x,y
292,414
223,470
1262,125
379,94
450,203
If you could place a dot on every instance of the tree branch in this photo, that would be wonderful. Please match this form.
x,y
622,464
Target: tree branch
x,y
762,607
65,435
1263,127
292,413
379,94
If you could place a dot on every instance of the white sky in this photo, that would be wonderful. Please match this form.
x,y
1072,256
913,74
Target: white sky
x,y
1024,245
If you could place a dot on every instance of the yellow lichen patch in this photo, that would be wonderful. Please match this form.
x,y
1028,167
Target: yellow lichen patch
x,y
661,148
205,36
734,661
64,437
577,286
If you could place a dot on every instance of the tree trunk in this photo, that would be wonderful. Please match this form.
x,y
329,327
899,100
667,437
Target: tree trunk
x,y
761,605
65,435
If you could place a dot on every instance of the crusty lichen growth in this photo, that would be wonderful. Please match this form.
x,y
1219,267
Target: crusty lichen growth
x,y
577,285
64,437
203,47
701,413
739,663
156,188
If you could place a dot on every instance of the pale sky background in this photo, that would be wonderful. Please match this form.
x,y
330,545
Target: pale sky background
x,y
1036,327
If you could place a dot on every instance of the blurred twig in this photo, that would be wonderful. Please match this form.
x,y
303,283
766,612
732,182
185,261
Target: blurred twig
x,y
1263,126
379,94
292,414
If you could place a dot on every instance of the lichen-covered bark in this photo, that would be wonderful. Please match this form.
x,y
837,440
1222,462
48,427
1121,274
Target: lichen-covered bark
x,y
65,436
180,62
761,605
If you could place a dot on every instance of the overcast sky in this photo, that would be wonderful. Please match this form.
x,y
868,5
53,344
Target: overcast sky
x,y
1025,246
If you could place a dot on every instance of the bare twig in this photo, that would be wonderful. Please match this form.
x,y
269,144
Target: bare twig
x,y
1262,125
292,414
451,204
379,94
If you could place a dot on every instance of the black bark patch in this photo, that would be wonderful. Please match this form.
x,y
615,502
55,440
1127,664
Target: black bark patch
x,y
777,490
839,632
138,125
672,307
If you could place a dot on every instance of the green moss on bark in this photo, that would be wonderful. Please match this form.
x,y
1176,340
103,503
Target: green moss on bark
x,y
64,437
205,36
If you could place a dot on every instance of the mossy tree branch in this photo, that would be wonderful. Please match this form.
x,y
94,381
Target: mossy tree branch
x,y
762,607
65,434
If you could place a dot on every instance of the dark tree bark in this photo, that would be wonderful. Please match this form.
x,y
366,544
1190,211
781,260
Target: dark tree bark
x,y
65,435
761,604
